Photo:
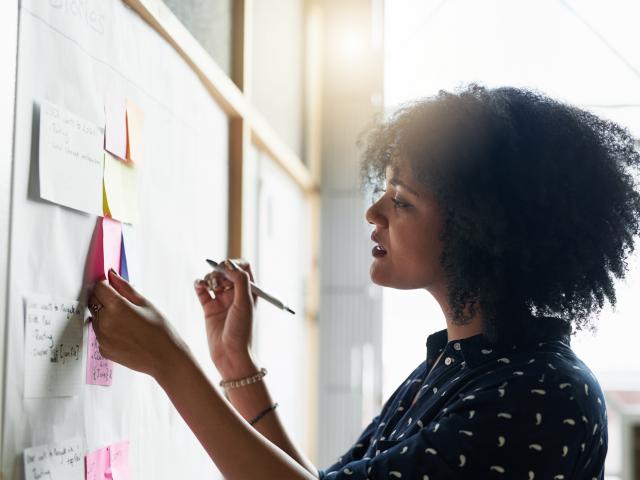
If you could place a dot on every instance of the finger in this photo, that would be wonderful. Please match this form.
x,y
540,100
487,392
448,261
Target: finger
x,y
240,279
214,280
202,292
125,289
92,303
105,294
242,263
247,267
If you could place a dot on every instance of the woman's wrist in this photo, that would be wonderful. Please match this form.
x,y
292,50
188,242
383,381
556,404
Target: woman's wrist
x,y
239,366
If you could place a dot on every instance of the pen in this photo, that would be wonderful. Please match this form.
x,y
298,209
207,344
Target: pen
x,y
254,288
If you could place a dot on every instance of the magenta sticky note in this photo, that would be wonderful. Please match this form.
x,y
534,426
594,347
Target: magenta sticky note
x,y
99,369
105,249
111,243
119,460
97,465
115,125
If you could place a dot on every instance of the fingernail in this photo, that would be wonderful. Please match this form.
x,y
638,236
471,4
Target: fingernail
x,y
196,283
229,266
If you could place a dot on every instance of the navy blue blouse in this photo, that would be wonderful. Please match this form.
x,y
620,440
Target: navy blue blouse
x,y
533,412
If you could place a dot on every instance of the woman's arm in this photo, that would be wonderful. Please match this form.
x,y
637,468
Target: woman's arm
x,y
132,332
252,399
237,449
228,318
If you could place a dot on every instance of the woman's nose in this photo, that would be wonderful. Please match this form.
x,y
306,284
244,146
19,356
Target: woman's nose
x,y
374,216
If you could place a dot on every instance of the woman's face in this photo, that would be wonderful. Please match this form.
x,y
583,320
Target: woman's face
x,y
407,223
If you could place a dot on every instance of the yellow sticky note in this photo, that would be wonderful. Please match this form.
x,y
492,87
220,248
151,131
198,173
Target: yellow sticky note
x,y
135,122
105,203
120,195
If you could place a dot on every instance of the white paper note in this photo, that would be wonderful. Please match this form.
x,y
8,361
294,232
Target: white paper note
x,y
53,347
55,461
70,160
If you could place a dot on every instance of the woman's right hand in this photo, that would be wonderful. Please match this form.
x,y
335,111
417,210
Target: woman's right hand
x,y
228,316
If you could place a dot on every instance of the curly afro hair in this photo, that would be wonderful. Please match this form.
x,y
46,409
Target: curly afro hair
x,y
540,199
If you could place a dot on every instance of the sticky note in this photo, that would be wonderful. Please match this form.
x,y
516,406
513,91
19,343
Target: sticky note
x,y
124,270
108,463
104,252
99,369
98,465
70,160
115,125
53,347
131,252
119,456
121,198
56,461
135,123
111,242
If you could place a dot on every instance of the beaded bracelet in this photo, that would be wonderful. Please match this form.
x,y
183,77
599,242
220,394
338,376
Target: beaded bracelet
x,y
244,381
263,413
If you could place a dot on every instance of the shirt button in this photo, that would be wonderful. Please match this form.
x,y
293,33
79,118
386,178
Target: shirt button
x,y
448,360
456,345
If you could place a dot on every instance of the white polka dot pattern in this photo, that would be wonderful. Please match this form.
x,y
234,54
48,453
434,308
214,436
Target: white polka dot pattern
x,y
491,411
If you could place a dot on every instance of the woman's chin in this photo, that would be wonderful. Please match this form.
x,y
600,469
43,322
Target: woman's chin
x,y
377,276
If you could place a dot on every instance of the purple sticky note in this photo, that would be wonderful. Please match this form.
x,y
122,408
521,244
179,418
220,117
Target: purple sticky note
x,y
97,465
99,369
120,460
124,270
115,126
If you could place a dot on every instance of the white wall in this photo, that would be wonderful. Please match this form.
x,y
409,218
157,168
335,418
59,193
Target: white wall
x,y
8,55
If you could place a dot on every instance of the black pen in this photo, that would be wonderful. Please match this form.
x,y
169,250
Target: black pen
x,y
254,288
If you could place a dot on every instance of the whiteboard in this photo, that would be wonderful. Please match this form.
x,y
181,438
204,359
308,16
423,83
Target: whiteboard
x,y
71,54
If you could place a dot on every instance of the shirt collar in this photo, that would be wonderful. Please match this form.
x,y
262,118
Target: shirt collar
x,y
477,349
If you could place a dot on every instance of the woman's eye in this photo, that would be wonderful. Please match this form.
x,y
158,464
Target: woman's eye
x,y
398,204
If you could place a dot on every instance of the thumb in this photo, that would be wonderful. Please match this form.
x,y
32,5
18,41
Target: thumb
x,y
125,289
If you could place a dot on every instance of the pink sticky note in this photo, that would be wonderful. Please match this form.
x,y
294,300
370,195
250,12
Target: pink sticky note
x,y
115,126
99,369
105,249
111,243
97,465
120,460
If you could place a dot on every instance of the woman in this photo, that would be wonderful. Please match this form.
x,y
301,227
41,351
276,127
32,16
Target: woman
x,y
514,211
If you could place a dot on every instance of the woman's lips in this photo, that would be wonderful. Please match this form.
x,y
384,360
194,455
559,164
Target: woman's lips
x,y
378,251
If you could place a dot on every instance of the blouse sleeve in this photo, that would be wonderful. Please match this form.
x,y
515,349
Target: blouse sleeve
x,y
539,436
358,449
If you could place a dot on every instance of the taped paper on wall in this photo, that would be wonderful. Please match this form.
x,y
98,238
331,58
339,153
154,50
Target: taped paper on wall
x,y
53,347
70,160
55,461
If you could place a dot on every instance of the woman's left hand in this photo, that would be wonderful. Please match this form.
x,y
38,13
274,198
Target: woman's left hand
x,y
130,330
